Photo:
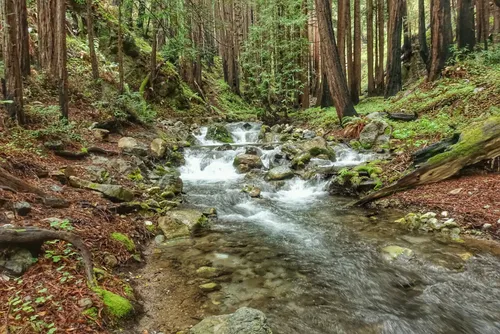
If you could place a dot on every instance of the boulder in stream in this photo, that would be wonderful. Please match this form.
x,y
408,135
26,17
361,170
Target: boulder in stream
x,y
182,223
244,321
279,173
246,162
220,133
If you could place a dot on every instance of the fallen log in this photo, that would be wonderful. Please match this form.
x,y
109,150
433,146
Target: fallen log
x,y
425,154
402,116
477,143
33,239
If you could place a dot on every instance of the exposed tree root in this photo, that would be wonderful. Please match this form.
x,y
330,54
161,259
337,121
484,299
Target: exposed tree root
x,y
33,239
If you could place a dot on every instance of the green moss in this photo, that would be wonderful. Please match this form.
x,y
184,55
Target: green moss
x,y
92,313
117,306
469,140
124,240
136,176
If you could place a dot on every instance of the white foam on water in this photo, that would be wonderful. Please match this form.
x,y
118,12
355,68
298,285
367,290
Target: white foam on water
x,y
201,167
298,192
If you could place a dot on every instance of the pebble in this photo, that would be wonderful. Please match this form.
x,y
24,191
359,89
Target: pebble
x,y
159,239
486,227
85,303
444,213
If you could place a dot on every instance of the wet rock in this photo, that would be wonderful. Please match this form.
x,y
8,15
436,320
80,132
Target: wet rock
x,y
301,160
395,252
252,150
252,191
373,134
22,208
243,321
113,192
225,147
246,162
182,223
207,272
170,182
209,287
263,131
315,147
159,239
279,173
16,261
158,148
220,133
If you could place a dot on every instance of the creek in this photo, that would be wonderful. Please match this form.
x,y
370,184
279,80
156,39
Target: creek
x,y
315,266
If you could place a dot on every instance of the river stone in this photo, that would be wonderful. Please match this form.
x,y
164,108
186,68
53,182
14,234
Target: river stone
x,y
181,223
315,146
220,133
158,147
369,137
16,261
244,321
113,192
309,134
279,173
207,272
245,162
209,287
301,160
394,252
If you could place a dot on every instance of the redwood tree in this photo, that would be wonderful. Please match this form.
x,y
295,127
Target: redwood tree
x,y
422,38
23,37
356,80
90,32
369,46
466,37
335,74
394,83
13,81
440,37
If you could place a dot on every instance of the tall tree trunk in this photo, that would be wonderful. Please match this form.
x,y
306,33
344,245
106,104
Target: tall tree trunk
x,y
407,49
496,26
369,46
466,37
422,36
440,37
121,82
154,46
333,68
63,57
356,80
349,58
394,84
381,34
482,22
90,33
304,34
341,27
23,38
13,80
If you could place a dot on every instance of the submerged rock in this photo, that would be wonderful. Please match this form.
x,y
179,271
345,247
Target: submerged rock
x,y
279,173
394,252
244,321
182,223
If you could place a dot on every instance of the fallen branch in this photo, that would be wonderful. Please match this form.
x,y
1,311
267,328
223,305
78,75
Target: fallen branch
x,y
478,143
402,116
33,239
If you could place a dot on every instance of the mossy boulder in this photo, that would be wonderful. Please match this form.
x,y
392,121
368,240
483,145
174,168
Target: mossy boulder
x,y
374,134
182,223
116,305
219,132
279,173
301,160
124,240
111,191
170,182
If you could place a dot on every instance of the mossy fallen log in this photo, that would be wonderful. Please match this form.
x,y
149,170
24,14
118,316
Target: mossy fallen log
x,y
477,143
33,238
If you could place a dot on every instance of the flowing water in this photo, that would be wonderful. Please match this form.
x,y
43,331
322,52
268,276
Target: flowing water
x,y
314,266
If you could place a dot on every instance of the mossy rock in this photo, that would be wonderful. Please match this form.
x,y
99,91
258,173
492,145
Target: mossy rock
x,y
301,160
116,305
220,133
124,240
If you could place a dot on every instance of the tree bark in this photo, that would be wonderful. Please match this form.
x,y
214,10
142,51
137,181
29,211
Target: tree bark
x,y
333,68
121,84
422,29
394,84
90,33
369,46
23,38
380,83
440,37
62,58
13,79
356,80
466,37
341,27
407,48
